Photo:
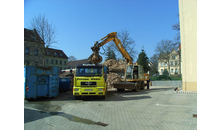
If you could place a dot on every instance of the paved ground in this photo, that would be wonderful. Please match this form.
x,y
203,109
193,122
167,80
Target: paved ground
x,y
158,108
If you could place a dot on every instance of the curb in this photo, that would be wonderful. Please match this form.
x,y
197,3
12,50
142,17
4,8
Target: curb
x,y
186,92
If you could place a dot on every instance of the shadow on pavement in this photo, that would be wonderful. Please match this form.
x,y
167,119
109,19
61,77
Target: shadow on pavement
x,y
32,115
113,95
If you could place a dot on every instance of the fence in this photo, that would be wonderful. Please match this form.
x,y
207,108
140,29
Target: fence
x,y
167,83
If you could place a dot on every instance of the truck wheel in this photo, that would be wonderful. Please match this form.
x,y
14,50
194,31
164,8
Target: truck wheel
x,y
142,85
137,87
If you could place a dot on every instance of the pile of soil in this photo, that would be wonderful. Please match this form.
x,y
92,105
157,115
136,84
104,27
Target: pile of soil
x,y
115,67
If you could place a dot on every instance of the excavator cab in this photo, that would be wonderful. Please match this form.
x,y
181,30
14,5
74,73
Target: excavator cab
x,y
134,72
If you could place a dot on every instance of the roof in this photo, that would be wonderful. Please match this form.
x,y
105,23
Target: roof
x,y
161,54
55,53
32,35
73,64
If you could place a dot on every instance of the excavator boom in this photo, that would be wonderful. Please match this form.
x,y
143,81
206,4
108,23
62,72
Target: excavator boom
x,y
95,58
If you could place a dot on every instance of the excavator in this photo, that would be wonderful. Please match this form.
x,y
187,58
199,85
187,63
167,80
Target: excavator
x,y
134,76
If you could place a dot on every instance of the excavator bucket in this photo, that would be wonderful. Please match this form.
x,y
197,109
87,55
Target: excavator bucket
x,y
95,58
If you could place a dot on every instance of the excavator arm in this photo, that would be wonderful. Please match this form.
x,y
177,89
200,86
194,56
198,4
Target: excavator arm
x,y
95,58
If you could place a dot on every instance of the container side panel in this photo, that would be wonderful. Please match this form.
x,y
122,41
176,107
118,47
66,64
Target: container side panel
x,y
42,86
24,81
64,84
54,83
30,79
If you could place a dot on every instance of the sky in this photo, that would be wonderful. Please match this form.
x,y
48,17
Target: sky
x,y
79,23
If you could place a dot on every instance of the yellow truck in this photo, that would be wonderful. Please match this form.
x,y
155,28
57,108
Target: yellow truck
x,y
90,80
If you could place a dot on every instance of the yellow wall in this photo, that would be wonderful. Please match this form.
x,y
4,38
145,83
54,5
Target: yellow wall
x,y
188,34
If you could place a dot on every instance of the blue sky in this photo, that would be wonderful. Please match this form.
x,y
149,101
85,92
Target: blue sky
x,y
80,23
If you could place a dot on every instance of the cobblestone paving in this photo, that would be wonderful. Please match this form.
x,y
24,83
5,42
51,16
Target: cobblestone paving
x,y
158,108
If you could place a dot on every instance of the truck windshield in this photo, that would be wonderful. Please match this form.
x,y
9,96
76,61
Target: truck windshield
x,y
88,71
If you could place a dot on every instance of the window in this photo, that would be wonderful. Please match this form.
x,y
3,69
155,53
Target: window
x,y
36,52
27,50
46,60
61,62
171,63
161,71
48,52
84,71
175,62
165,63
176,70
55,53
56,61
64,62
51,61
173,57
171,70
161,63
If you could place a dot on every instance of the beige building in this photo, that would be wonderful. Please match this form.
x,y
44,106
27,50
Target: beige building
x,y
188,34
56,58
173,63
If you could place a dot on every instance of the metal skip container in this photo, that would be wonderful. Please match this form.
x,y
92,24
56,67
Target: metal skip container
x,y
41,82
64,84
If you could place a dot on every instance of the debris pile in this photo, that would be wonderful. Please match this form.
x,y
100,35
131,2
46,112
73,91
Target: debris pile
x,y
115,67
112,78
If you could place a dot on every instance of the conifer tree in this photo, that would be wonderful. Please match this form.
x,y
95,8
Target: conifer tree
x,y
143,60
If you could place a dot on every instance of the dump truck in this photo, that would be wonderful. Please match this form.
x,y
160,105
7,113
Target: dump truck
x,y
90,80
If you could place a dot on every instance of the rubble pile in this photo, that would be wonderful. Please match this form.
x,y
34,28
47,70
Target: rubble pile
x,y
112,78
115,67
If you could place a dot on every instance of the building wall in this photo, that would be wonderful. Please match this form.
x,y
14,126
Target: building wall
x,y
31,57
188,34
173,53
63,65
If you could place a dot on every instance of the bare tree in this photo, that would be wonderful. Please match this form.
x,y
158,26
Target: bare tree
x,y
163,49
127,42
154,67
71,58
46,30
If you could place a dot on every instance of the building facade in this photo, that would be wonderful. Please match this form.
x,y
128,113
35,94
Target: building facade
x,y
188,35
73,64
172,66
35,53
56,58
33,48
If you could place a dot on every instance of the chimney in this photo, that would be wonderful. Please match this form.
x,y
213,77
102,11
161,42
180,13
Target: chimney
x,y
34,30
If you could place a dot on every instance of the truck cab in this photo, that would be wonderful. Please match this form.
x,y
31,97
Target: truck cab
x,y
90,80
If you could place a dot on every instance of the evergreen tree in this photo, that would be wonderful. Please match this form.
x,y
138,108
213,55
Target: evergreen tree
x,y
110,54
143,60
